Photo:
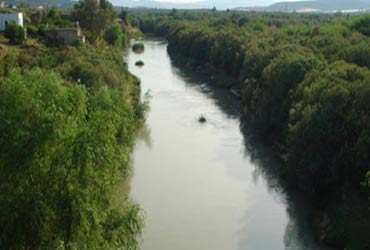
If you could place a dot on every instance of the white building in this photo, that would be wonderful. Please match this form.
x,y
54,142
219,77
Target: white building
x,y
5,19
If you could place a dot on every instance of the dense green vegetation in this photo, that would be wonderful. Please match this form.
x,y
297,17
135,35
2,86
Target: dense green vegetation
x,y
69,118
94,16
139,63
331,107
15,33
114,36
305,86
138,47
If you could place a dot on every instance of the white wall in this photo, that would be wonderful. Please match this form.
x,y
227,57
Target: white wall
x,y
17,18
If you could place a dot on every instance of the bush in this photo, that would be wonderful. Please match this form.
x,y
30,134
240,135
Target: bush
x,y
358,53
138,47
115,36
139,63
32,30
15,33
41,30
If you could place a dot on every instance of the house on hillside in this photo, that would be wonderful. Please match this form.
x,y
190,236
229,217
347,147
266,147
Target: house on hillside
x,y
6,18
65,36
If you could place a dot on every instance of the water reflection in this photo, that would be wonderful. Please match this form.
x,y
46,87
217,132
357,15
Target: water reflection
x,y
144,135
195,79
298,232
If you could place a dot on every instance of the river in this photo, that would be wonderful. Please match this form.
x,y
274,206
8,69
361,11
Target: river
x,y
206,186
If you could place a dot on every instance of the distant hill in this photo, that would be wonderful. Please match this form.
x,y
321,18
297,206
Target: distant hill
x,y
150,4
208,4
321,5
56,3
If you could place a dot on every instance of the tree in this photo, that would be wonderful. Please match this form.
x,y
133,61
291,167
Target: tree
x,y
329,132
94,17
362,25
358,53
15,33
138,47
279,78
114,36
53,13
36,17
124,17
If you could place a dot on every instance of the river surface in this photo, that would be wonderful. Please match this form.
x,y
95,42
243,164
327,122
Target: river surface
x,y
205,186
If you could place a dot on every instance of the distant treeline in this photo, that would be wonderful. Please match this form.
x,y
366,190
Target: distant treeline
x,y
305,85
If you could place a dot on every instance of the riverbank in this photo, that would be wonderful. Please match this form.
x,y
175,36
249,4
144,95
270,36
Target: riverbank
x,y
69,120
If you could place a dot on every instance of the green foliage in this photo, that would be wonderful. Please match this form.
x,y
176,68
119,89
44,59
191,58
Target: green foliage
x,y
362,25
86,65
358,53
63,152
93,16
115,36
124,17
53,13
138,47
41,30
259,27
15,33
139,63
51,18
36,18
32,31
271,103
329,133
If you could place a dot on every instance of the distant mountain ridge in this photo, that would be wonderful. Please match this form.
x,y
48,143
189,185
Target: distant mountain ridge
x,y
321,5
220,4
56,3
